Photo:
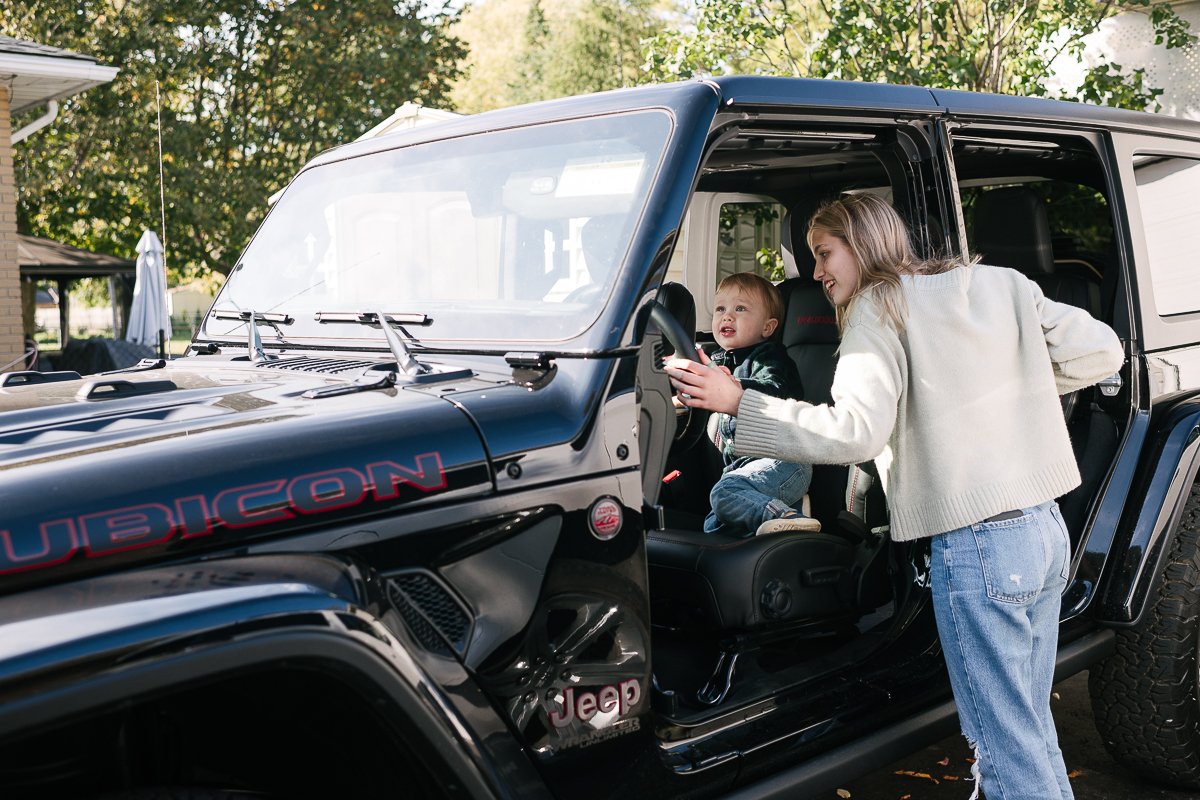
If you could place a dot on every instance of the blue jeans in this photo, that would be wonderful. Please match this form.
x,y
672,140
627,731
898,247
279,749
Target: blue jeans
x,y
746,497
997,594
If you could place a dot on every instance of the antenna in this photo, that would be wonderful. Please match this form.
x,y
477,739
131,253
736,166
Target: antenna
x,y
162,207
162,196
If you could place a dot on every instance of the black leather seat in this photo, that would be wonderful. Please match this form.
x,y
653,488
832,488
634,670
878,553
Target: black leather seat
x,y
715,583
1012,230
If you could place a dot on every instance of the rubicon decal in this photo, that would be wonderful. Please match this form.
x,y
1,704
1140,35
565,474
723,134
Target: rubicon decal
x,y
193,516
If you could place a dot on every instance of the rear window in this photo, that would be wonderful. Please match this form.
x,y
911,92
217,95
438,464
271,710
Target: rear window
x,y
1167,188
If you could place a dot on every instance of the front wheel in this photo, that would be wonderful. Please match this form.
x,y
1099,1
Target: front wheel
x,y
1145,694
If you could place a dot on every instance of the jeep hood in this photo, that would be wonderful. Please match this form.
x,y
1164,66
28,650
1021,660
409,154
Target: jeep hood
x,y
104,471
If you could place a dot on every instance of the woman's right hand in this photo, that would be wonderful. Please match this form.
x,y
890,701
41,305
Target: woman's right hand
x,y
705,385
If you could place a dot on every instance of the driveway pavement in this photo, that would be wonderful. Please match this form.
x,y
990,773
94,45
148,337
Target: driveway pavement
x,y
943,771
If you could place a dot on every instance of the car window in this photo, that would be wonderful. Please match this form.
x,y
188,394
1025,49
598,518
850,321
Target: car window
x,y
516,235
1037,202
1167,188
748,239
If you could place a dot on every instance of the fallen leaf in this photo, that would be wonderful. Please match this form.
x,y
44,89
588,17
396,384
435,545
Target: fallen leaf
x,y
906,797
922,775
945,762
1075,773
950,777
1055,695
843,793
969,760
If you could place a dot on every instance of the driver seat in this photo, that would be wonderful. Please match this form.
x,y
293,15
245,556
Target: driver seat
x,y
757,589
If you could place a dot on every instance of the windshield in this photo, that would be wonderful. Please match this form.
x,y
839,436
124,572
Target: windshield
x,y
510,235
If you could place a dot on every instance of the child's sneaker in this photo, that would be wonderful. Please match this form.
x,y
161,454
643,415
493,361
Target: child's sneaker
x,y
790,521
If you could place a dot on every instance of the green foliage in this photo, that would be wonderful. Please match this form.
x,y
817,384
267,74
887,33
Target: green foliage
x,y
601,48
981,45
762,37
534,56
527,50
249,90
1108,85
751,225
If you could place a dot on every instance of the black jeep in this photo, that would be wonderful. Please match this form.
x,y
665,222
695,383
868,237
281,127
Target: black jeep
x,y
416,515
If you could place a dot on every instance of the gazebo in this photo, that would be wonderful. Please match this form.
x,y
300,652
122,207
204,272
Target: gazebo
x,y
46,260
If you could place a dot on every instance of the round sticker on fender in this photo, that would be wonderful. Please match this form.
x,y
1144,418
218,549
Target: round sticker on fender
x,y
605,518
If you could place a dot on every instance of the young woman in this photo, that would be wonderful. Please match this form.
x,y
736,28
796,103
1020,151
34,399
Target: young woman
x,y
949,376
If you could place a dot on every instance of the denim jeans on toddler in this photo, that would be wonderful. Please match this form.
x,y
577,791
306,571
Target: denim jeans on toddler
x,y
997,593
747,496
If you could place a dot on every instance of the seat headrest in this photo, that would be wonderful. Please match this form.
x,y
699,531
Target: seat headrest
x,y
1012,230
808,315
797,258
679,302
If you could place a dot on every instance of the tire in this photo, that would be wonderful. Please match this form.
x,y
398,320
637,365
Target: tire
x,y
587,631
1144,695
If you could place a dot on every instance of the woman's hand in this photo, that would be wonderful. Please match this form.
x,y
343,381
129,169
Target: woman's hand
x,y
703,385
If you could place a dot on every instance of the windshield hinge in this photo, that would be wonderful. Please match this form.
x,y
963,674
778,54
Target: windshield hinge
x,y
529,360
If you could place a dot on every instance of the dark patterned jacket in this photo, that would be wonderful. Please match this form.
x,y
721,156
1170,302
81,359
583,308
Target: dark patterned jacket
x,y
764,367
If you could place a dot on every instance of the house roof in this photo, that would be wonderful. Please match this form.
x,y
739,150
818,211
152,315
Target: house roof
x,y
46,259
40,73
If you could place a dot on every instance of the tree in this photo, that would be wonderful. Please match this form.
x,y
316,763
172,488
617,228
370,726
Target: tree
x,y
249,90
602,48
982,45
526,50
534,57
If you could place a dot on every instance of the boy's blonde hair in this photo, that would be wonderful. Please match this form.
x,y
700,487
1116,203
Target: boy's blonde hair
x,y
758,286
878,238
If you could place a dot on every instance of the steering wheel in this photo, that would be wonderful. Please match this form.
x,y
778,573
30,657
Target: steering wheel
x,y
690,423
676,335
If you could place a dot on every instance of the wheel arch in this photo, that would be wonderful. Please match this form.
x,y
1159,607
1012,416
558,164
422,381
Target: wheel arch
x,y
262,628
1170,468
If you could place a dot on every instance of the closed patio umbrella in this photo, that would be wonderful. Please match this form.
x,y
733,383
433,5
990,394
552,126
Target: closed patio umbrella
x,y
149,322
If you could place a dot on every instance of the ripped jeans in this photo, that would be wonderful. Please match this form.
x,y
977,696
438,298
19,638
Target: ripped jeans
x,y
997,594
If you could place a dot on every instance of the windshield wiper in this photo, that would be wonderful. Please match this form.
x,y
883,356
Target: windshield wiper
x,y
404,357
254,345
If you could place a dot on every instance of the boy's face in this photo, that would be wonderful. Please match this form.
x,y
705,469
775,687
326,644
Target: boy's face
x,y
740,319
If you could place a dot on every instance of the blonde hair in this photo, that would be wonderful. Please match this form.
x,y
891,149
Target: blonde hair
x,y
879,241
756,285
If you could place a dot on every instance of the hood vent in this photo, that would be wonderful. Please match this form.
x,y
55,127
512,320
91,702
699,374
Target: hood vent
x,y
327,366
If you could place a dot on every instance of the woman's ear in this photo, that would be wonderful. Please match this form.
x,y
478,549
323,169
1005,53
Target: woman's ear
x,y
769,327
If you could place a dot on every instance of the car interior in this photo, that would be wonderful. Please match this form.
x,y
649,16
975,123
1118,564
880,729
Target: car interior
x,y
738,620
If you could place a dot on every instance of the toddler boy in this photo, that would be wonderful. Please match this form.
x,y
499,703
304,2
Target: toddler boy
x,y
754,496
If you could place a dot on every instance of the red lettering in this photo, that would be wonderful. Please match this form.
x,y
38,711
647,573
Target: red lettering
x,y
586,709
608,699
257,504
631,692
58,543
126,528
132,527
561,719
583,706
387,476
193,516
326,491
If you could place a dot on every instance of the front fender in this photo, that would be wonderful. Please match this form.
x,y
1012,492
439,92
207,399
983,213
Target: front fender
x,y
1169,469
81,649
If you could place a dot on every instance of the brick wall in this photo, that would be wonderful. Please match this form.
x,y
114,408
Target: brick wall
x,y
11,333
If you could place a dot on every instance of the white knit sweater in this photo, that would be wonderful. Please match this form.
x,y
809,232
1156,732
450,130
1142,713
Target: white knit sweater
x,y
960,410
